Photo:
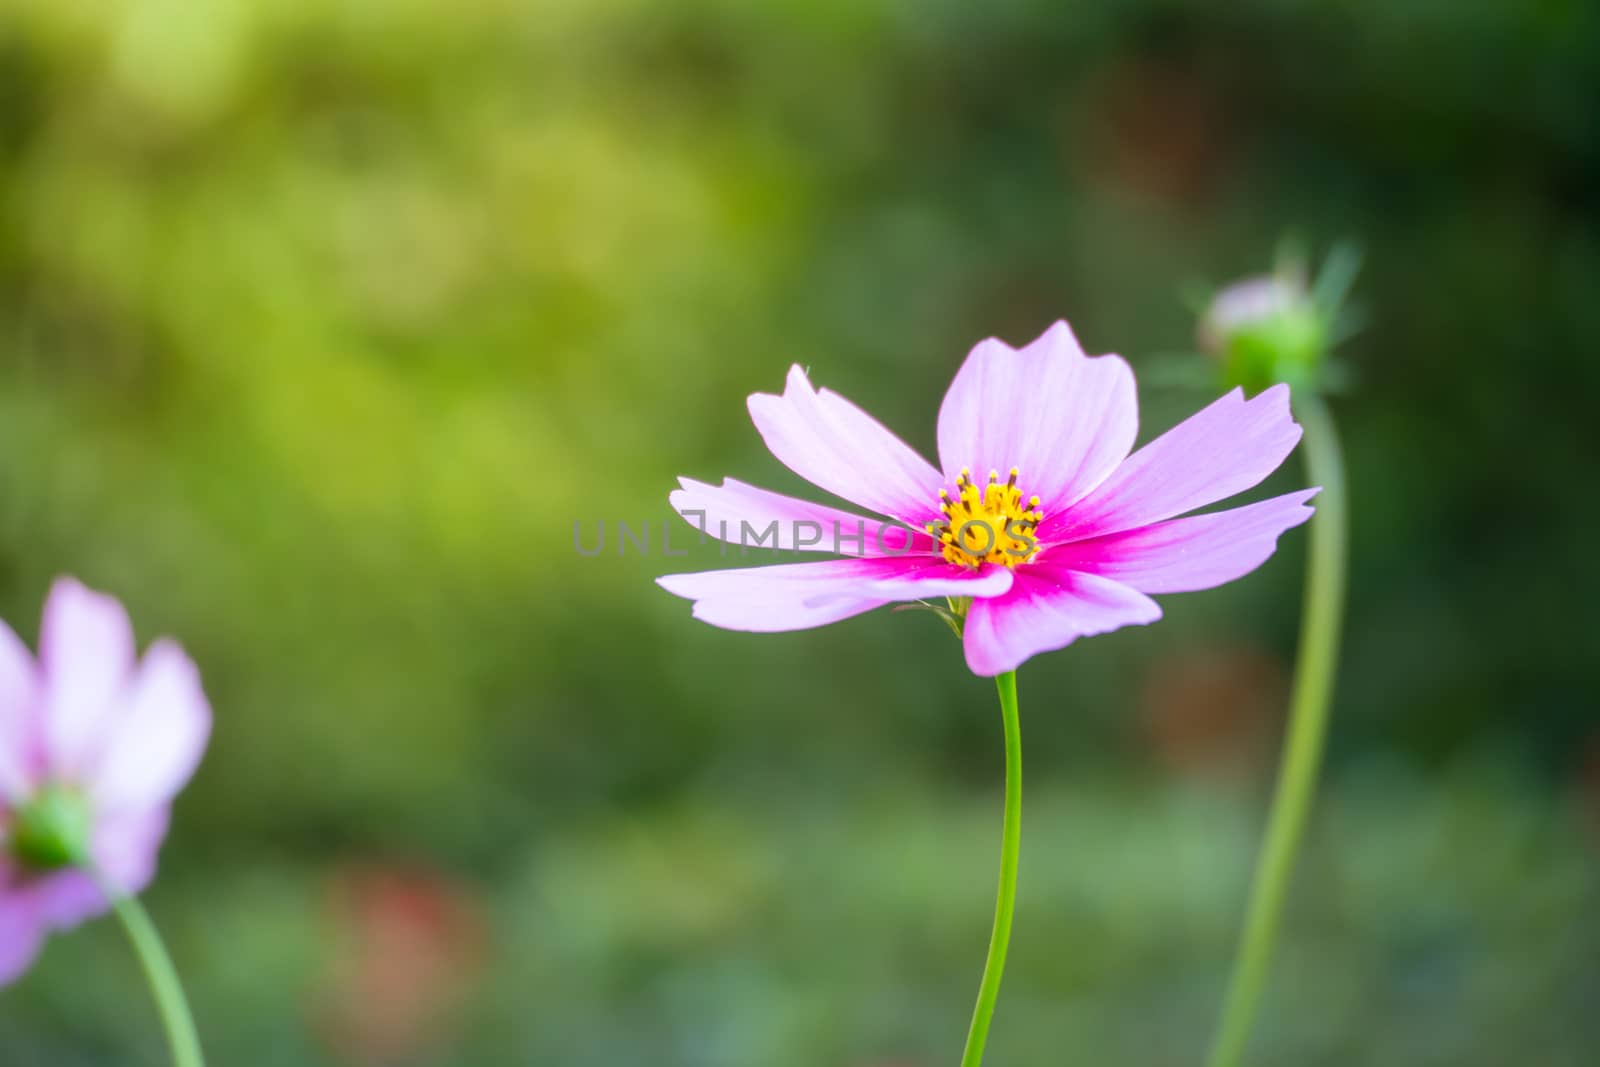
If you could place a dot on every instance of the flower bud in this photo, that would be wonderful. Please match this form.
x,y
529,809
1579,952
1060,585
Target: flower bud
x,y
1280,327
1265,330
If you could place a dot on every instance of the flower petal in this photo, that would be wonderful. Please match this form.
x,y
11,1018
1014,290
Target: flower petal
x,y
799,596
66,898
127,844
86,653
835,445
154,745
745,515
22,929
1222,450
19,738
1064,419
1048,608
1184,555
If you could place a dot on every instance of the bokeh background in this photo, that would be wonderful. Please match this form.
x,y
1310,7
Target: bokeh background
x,y
321,324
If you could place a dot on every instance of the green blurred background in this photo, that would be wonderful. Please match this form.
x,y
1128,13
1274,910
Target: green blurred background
x,y
321,323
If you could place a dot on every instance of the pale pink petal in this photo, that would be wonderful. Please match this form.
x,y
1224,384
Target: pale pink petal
x,y
1222,450
1063,419
798,596
152,748
19,720
1048,608
86,653
127,844
1185,555
125,848
758,518
835,445
22,929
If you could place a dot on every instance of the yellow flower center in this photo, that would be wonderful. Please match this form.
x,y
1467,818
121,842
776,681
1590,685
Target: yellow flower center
x,y
987,524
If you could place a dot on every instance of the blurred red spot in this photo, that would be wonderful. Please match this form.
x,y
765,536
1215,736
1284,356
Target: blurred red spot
x,y
409,944
1589,789
1211,708
1153,128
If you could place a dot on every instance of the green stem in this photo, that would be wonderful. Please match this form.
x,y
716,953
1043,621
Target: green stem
x,y
1316,663
1005,905
173,1006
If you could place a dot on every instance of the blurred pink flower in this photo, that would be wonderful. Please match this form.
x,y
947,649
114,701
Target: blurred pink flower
x,y
94,746
1068,543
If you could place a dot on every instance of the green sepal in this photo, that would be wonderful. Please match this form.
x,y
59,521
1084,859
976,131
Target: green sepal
x,y
51,830
950,618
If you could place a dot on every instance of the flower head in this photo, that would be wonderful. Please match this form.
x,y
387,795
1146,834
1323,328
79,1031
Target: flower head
x,y
1251,304
1041,527
1265,329
94,746
1282,327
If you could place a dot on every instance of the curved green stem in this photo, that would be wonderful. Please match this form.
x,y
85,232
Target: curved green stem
x,y
1005,905
1315,667
173,1006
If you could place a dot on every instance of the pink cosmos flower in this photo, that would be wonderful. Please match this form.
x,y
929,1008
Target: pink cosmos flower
x,y
94,746
1041,528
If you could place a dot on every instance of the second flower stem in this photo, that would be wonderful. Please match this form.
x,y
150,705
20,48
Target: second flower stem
x,y
173,1006
1010,849
1315,667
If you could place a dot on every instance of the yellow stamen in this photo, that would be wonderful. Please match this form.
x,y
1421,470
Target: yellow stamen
x,y
989,523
